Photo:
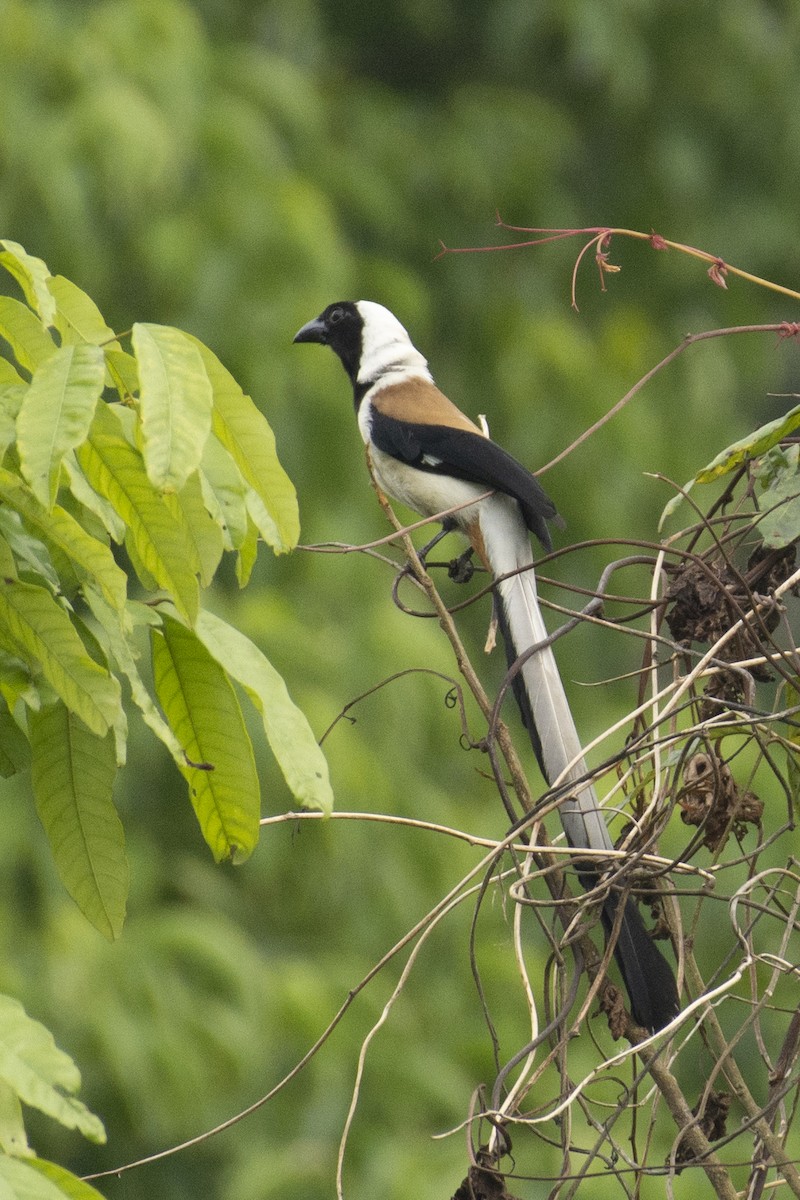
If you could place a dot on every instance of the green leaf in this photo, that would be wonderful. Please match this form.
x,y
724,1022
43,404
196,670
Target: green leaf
x,y
11,398
9,376
124,373
116,471
119,651
19,1180
13,1138
25,334
31,554
43,1076
148,581
77,318
15,752
68,1185
260,517
63,531
751,446
781,525
95,643
92,501
289,734
8,566
16,684
201,706
73,776
44,637
202,532
174,402
248,438
56,414
224,492
778,475
33,277
246,558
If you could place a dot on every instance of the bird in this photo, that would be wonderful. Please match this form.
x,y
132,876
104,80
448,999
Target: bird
x,y
428,455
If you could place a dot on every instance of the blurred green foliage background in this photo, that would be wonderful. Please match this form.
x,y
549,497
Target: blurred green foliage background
x,y
231,168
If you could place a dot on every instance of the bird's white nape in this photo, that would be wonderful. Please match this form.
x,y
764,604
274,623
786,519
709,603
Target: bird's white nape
x,y
386,348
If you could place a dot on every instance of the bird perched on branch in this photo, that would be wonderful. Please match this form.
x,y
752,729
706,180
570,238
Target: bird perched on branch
x,y
428,455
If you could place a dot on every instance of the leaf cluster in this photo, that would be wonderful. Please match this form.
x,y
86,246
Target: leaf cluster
x,y
131,464
152,457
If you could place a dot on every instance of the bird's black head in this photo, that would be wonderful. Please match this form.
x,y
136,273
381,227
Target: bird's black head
x,y
340,326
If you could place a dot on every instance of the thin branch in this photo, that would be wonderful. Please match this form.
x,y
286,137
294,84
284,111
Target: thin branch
x,y
691,339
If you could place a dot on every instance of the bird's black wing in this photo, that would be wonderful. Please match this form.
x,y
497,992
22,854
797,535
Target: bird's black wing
x,y
444,450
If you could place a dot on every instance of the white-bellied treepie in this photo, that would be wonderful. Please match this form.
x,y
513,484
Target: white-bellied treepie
x,y
427,454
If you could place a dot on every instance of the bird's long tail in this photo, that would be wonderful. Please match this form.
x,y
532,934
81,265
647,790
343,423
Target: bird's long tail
x,y
547,716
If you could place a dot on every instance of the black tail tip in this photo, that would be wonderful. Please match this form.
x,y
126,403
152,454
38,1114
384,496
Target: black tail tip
x,y
649,979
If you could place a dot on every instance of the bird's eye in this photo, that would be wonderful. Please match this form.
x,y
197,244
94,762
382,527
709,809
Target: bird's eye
x,y
336,316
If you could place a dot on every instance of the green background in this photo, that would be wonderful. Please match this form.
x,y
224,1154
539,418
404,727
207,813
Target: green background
x,y
231,168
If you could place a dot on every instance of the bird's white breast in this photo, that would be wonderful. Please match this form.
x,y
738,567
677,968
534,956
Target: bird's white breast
x,y
423,491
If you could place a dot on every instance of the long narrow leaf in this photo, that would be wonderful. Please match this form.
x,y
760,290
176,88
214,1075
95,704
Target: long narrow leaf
x,y
32,275
15,754
73,775
9,376
756,443
116,471
44,637
56,414
119,652
201,706
8,565
11,398
16,683
63,531
13,1138
202,532
25,333
19,1180
289,734
69,1185
92,501
77,317
123,372
248,552
260,516
30,552
42,1075
246,435
174,402
752,446
224,491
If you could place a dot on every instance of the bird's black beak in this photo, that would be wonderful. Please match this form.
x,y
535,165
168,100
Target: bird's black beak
x,y
312,331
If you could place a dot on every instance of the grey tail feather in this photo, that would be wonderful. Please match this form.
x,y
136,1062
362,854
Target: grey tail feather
x,y
647,976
